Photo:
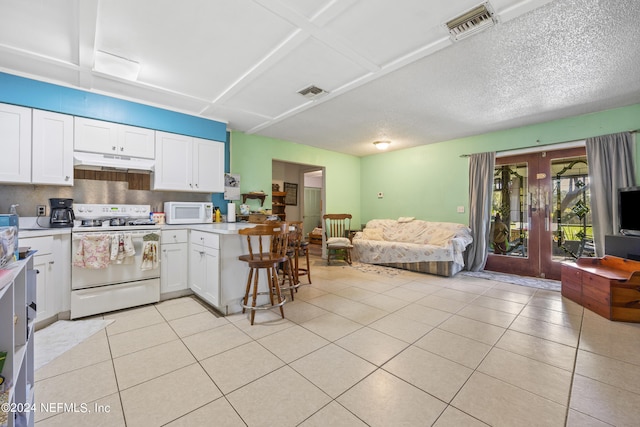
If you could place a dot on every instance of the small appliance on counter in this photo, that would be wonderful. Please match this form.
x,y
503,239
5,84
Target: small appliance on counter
x,y
188,212
61,213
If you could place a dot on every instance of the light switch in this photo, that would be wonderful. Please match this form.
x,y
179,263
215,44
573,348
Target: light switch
x,y
460,209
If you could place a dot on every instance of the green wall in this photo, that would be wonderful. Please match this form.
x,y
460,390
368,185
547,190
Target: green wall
x,y
431,181
251,157
428,182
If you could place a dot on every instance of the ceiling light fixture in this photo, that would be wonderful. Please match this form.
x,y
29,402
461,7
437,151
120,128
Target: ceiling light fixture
x,y
117,66
382,145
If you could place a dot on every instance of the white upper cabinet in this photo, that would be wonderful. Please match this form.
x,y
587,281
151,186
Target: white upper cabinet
x,y
184,163
15,144
96,136
208,165
52,148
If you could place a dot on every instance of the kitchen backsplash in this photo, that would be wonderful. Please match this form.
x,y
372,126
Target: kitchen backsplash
x,y
89,191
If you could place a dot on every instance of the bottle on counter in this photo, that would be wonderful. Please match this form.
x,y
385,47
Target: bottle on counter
x,y
218,215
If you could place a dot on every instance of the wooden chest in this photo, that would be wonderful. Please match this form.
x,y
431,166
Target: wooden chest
x,y
609,286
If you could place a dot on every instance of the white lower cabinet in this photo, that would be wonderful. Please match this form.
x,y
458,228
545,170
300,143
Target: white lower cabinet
x,y
204,266
46,277
174,264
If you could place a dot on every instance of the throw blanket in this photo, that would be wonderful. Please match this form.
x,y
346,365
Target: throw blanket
x,y
93,252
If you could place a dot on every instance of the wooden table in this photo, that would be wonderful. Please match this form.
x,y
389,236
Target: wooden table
x,y
608,286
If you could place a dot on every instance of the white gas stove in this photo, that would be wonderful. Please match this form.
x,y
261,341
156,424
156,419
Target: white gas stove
x,y
115,258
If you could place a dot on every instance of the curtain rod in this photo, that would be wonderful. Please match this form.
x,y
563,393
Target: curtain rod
x,y
535,147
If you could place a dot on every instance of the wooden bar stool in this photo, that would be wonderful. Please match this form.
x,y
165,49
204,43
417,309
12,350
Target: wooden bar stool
x,y
267,246
301,247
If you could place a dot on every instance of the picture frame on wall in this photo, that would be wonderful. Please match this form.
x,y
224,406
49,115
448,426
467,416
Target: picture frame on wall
x,y
292,194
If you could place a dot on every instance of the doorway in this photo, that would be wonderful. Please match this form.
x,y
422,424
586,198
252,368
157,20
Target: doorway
x,y
313,184
540,212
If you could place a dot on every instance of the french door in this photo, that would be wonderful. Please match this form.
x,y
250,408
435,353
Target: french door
x,y
543,201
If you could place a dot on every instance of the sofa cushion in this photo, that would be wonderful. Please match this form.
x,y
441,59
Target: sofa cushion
x,y
338,241
373,234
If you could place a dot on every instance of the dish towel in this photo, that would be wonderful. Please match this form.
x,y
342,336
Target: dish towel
x,y
150,251
149,255
93,252
122,250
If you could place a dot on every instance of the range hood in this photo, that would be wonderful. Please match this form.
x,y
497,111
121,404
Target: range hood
x,y
95,161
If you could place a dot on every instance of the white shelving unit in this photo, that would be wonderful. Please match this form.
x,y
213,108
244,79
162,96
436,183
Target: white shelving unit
x,y
17,293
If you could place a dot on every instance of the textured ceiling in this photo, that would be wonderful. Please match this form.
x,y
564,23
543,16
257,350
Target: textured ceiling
x,y
389,67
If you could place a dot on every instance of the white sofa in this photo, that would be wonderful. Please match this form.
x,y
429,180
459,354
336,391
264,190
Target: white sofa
x,y
412,244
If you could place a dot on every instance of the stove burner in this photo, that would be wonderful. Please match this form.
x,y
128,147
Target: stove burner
x,y
92,223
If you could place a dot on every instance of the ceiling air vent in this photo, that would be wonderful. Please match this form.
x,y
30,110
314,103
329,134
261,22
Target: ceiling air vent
x,y
471,22
312,92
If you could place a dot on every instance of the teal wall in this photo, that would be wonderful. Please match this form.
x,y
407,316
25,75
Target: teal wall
x,y
251,157
430,181
46,96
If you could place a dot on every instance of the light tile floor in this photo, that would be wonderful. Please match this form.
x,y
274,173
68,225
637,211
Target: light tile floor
x,y
355,349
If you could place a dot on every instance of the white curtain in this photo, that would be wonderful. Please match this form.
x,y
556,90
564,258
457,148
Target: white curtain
x,y
481,167
610,159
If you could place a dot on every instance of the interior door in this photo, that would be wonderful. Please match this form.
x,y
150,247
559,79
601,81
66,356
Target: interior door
x,y
540,213
312,209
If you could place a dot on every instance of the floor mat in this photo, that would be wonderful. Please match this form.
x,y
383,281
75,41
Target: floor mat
x,y
532,282
62,336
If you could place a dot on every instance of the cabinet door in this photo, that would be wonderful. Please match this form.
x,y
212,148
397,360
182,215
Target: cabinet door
x,y
211,285
173,169
52,156
45,291
173,271
208,166
196,268
136,142
15,144
95,136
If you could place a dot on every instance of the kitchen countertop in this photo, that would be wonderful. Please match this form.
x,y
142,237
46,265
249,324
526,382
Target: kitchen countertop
x,y
29,227
217,228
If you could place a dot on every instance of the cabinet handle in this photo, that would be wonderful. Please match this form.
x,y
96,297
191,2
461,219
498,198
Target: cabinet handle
x,y
66,178
121,148
37,271
113,148
51,262
196,185
201,253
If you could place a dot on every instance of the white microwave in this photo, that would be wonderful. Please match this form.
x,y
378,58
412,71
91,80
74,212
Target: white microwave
x,y
188,212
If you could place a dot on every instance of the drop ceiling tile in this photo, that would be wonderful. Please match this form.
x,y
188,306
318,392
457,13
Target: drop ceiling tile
x,y
311,63
192,47
307,8
45,27
150,96
383,31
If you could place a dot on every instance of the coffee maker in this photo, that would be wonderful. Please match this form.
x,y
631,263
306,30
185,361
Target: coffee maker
x,y
61,213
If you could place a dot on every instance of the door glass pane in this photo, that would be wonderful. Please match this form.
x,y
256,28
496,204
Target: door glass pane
x,y
572,228
510,219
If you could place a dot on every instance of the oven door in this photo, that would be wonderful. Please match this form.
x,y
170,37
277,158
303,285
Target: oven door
x,y
111,272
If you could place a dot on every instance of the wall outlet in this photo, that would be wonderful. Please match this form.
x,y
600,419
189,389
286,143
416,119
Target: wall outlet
x,y
42,210
380,195
460,209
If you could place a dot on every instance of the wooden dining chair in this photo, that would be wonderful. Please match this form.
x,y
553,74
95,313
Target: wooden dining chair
x,y
267,245
338,236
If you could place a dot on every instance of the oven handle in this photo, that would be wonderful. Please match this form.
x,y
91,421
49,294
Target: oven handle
x,y
134,234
